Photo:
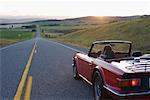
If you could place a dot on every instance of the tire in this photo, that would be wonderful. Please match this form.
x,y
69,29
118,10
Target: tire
x,y
75,72
98,87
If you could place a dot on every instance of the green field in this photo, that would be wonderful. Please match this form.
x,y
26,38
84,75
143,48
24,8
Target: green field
x,y
76,24
136,30
9,36
64,28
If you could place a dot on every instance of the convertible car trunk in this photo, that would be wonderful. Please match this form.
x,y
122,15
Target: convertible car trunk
x,y
145,82
137,68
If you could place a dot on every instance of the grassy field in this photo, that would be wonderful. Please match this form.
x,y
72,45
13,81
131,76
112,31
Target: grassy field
x,y
9,36
76,24
65,28
137,31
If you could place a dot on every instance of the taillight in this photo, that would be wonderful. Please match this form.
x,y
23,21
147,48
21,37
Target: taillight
x,y
129,82
135,82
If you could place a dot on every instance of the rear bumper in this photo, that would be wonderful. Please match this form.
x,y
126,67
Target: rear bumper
x,y
127,95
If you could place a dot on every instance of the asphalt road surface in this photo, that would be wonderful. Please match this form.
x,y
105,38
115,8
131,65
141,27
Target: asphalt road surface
x,y
13,60
50,69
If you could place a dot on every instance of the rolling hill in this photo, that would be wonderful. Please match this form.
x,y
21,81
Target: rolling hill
x,y
135,30
84,20
75,24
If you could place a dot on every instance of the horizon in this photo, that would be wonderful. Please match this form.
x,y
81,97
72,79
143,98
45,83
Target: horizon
x,y
24,19
57,17
64,9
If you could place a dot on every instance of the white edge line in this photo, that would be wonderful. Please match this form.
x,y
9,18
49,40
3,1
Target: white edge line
x,y
67,47
2,48
36,44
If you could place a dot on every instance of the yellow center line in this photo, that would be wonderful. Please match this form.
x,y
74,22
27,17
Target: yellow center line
x,y
24,76
28,88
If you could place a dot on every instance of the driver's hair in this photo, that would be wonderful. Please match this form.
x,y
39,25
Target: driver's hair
x,y
107,48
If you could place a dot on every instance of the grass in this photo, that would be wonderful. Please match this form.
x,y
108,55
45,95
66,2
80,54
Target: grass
x,y
9,36
137,31
64,28
4,42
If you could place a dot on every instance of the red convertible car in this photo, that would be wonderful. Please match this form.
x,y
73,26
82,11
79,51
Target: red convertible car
x,y
113,70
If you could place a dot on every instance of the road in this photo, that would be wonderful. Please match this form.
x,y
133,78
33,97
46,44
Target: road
x,y
50,69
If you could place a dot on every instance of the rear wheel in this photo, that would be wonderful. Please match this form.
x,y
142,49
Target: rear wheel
x,y
98,87
75,72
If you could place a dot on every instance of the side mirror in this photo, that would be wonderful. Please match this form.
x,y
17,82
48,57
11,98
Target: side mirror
x,y
137,54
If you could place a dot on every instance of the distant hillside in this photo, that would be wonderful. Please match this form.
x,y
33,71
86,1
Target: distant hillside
x,y
137,31
73,21
6,21
94,20
102,18
76,24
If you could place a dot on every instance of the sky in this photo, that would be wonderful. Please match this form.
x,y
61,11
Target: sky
x,y
74,8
